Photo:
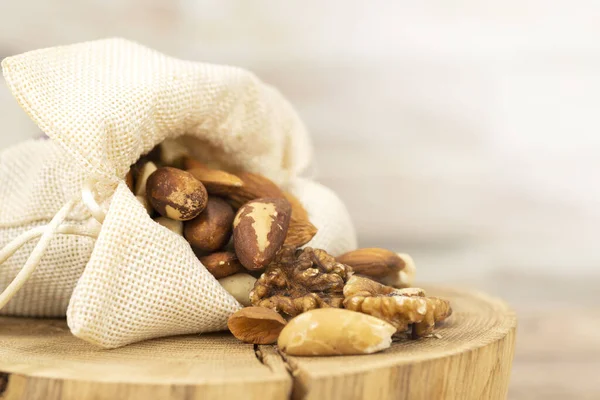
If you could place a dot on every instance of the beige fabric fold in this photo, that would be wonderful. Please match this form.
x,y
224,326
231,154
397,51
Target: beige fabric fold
x,y
104,104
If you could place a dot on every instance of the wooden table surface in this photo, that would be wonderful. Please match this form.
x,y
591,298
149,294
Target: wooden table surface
x,y
469,359
558,346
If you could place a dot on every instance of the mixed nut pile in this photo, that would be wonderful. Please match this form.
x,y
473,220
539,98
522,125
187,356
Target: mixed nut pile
x,y
249,234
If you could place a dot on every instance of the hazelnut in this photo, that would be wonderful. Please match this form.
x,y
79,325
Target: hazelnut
x,y
222,264
239,286
335,331
211,230
176,194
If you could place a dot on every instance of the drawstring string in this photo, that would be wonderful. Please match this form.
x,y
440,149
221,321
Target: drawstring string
x,y
47,232
65,229
87,196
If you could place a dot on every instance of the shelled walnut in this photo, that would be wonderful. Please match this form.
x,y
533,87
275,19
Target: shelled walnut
x,y
299,280
399,307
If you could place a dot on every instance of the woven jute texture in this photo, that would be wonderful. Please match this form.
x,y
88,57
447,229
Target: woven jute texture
x,y
36,178
104,104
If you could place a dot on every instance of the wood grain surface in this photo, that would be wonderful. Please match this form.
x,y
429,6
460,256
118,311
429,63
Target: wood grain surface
x,y
471,360
40,359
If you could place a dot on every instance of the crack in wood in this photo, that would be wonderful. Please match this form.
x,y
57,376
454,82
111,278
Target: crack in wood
x,y
298,391
3,382
286,361
299,388
259,355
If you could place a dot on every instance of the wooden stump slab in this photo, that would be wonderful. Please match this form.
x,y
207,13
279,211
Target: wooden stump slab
x,y
40,359
471,360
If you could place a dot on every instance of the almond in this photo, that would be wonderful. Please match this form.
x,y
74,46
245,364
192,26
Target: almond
x,y
299,233
259,230
298,210
176,194
219,183
254,186
301,230
381,265
211,230
192,163
222,264
256,325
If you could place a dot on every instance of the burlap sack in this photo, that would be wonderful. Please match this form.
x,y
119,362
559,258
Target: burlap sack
x,y
117,275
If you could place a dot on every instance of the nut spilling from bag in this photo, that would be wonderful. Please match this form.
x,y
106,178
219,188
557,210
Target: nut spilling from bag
x,y
248,233
301,280
334,331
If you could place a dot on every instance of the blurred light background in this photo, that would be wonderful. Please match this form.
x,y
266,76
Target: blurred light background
x,y
465,133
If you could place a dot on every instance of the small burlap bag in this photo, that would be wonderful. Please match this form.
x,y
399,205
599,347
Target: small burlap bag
x,y
74,239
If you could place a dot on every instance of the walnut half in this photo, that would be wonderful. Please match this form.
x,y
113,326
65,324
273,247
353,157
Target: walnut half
x,y
399,307
301,280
